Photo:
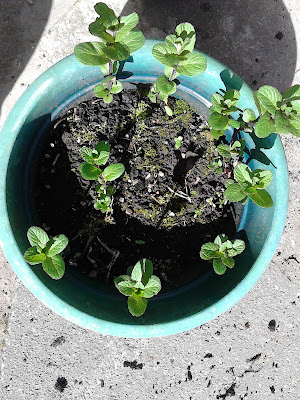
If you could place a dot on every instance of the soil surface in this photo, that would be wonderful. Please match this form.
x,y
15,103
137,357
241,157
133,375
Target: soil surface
x,y
167,203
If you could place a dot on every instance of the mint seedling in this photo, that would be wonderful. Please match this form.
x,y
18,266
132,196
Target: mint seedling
x,y
176,53
221,252
46,250
235,149
178,141
249,184
90,170
119,39
139,286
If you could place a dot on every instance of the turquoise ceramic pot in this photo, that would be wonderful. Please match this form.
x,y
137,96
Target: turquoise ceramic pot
x,y
83,301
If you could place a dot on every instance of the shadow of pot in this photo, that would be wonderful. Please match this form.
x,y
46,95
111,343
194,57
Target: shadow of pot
x,y
81,300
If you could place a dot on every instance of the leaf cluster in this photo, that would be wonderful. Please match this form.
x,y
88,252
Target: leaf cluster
x,y
221,252
46,250
249,184
278,113
90,170
140,285
176,53
119,38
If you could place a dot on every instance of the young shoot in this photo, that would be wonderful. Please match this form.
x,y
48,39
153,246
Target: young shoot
x,y
176,53
178,140
249,184
46,250
221,252
232,150
139,285
118,40
90,170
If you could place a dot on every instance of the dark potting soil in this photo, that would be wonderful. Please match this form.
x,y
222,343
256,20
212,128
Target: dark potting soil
x,y
167,203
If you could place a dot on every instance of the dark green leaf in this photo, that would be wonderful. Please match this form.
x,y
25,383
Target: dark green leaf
x,y
107,15
91,53
228,261
224,150
291,92
147,270
87,155
54,266
117,52
234,193
88,171
98,29
262,198
234,123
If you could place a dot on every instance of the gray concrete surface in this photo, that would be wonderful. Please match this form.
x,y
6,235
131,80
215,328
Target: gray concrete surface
x,y
235,356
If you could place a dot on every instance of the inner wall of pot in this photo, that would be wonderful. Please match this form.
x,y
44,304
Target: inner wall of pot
x,y
83,293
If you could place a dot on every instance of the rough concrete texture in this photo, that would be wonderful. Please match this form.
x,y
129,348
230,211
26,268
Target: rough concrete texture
x,y
252,350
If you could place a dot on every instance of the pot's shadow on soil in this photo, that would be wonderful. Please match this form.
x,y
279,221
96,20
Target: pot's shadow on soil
x,y
21,26
256,39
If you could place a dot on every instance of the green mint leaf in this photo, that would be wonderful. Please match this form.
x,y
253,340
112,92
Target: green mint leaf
x,y
104,68
33,257
164,85
147,270
234,123
87,155
218,121
267,98
216,134
291,92
113,172
100,91
108,99
137,306
282,124
117,52
242,173
234,193
233,95
239,246
107,15
60,243
265,178
91,53
134,40
98,29
153,287
209,250
228,261
117,87
224,150
125,285
194,64
265,126
218,266
89,172
137,273
130,22
262,198
37,236
248,115
169,111
54,266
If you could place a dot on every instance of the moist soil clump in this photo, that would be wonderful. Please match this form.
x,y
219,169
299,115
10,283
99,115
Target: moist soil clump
x,y
167,203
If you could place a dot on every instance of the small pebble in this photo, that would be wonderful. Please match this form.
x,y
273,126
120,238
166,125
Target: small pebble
x,y
52,144
128,211
78,140
272,325
47,186
148,176
121,199
161,174
171,214
183,155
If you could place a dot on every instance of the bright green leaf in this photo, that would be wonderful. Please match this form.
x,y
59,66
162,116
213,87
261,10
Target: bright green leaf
x,y
218,266
195,64
234,193
137,306
249,115
153,287
88,171
54,266
113,172
107,15
265,126
87,155
117,52
60,243
218,121
242,173
32,256
164,85
91,53
37,236
262,198
209,251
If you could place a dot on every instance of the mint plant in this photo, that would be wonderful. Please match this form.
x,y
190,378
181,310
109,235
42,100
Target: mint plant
x,y
221,252
90,170
178,141
119,39
46,250
249,184
140,285
277,113
176,53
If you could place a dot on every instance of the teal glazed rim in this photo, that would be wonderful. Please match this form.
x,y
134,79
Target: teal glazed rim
x,y
82,301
